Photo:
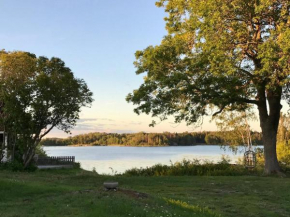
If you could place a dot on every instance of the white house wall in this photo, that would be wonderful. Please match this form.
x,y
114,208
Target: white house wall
x,y
5,151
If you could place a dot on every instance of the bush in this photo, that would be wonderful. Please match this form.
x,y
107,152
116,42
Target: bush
x,y
76,165
194,168
283,155
40,151
17,166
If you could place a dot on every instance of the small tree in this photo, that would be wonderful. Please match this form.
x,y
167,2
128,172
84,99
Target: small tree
x,y
39,94
234,126
221,53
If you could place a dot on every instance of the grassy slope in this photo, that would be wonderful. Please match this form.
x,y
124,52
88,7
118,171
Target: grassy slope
x,y
80,193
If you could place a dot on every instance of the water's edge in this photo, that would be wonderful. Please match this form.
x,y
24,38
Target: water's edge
x,y
111,159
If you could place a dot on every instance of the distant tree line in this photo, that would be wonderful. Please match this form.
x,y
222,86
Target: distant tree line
x,y
151,139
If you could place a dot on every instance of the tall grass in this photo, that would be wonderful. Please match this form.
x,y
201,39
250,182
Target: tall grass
x,y
195,168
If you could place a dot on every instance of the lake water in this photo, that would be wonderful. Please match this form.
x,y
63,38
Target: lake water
x,y
110,159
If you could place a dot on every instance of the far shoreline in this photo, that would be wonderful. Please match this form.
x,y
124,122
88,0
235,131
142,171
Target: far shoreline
x,y
118,145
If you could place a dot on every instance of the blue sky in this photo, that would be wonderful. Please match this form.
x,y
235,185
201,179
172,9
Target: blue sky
x,y
97,39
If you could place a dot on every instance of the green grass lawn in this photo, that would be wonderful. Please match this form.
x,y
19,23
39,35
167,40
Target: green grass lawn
x,y
80,193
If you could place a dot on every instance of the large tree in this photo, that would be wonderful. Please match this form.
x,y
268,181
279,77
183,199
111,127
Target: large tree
x,y
37,95
222,54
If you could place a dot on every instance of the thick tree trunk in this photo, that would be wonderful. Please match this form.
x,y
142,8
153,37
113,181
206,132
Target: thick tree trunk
x,y
269,122
269,140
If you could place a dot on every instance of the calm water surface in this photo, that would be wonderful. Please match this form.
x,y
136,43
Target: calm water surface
x,y
110,159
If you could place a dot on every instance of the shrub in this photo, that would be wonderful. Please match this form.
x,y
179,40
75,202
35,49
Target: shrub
x,y
76,165
17,166
194,168
283,155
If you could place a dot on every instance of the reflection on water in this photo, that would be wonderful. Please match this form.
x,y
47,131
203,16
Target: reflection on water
x,y
108,159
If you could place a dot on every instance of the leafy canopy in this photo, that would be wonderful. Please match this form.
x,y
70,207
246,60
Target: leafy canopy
x,y
36,95
217,54
40,92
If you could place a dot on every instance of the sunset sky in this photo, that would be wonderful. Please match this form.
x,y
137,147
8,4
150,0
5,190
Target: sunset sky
x,y
97,39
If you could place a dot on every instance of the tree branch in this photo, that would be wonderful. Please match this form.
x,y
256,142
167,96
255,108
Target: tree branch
x,y
220,111
44,134
250,101
246,72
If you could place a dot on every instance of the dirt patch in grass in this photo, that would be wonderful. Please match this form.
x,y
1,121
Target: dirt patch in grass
x,y
133,194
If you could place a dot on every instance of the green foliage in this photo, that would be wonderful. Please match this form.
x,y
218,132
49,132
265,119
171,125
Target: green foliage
x,y
53,142
237,123
77,165
193,168
135,139
17,166
283,147
13,166
37,95
147,139
39,151
283,153
216,53
213,138
284,128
